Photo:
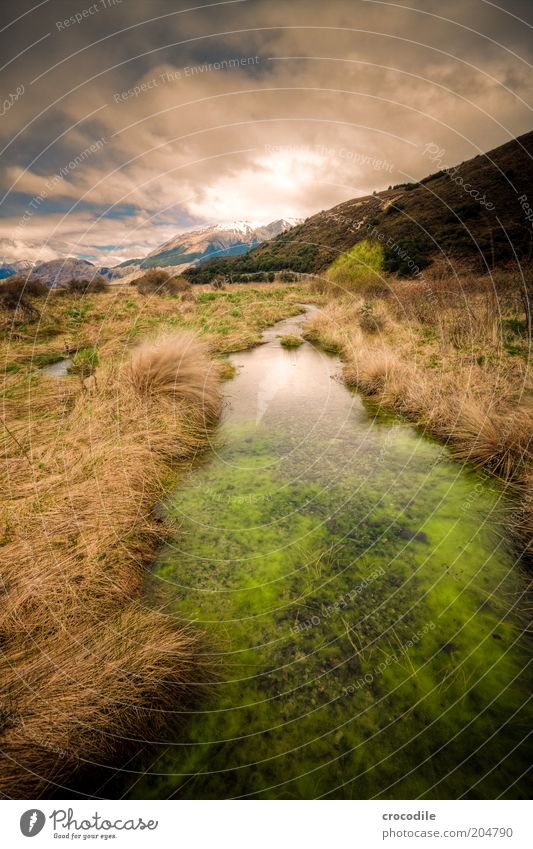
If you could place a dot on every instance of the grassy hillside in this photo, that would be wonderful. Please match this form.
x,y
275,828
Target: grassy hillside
x,y
472,212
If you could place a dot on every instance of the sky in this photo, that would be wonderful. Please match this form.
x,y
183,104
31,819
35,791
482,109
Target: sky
x,y
124,122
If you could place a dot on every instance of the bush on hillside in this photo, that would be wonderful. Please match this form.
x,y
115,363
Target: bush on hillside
x,y
287,277
19,285
87,287
159,282
357,268
14,298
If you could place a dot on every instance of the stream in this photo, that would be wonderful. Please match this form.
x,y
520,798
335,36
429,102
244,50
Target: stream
x,y
360,597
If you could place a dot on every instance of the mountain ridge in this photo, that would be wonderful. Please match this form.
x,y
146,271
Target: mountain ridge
x,y
216,240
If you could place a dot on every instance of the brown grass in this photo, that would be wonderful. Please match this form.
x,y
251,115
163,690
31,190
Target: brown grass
x,y
446,356
177,365
86,667
501,443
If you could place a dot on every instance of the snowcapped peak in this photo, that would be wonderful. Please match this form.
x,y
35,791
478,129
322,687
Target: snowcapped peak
x,y
238,226
215,240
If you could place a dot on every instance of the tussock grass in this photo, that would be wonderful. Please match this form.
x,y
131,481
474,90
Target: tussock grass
x,y
87,668
503,444
178,365
290,341
452,356
89,671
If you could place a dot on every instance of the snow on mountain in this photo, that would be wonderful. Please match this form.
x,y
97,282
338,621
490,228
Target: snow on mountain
x,y
196,246
18,266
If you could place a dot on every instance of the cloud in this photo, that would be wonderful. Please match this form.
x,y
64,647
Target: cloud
x,y
252,110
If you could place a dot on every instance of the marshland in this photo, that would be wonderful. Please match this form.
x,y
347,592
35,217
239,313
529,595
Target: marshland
x,y
268,540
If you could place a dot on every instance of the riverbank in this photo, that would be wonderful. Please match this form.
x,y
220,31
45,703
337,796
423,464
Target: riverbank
x,y
367,613
452,356
88,670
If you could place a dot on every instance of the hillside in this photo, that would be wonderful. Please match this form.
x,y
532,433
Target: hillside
x,y
472,212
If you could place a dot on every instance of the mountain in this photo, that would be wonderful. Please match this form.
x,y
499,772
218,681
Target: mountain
x,y
125,271
215,241
57,272
183,251
479,211
8,269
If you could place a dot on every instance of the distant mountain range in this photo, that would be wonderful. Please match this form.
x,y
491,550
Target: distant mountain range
x,y
182,251
7,269
216,241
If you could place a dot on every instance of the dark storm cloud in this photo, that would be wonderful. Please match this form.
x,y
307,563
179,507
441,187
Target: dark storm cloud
x,y
256,109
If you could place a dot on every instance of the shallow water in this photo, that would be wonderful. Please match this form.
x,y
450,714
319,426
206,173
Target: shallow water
x,y
59,369
360,597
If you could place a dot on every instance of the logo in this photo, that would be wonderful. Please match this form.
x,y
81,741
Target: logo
x,y
32,822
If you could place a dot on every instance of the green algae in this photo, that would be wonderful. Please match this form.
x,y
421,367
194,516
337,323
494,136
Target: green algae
x,y
360,596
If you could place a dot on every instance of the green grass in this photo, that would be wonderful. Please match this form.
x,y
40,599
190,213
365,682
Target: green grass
x,y
361,264
84,361
290,341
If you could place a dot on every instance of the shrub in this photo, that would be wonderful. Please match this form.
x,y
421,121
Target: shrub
x,y
14,294
288,276
370,321
18,285
357,268
87,287
153,282
177,285
157,281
